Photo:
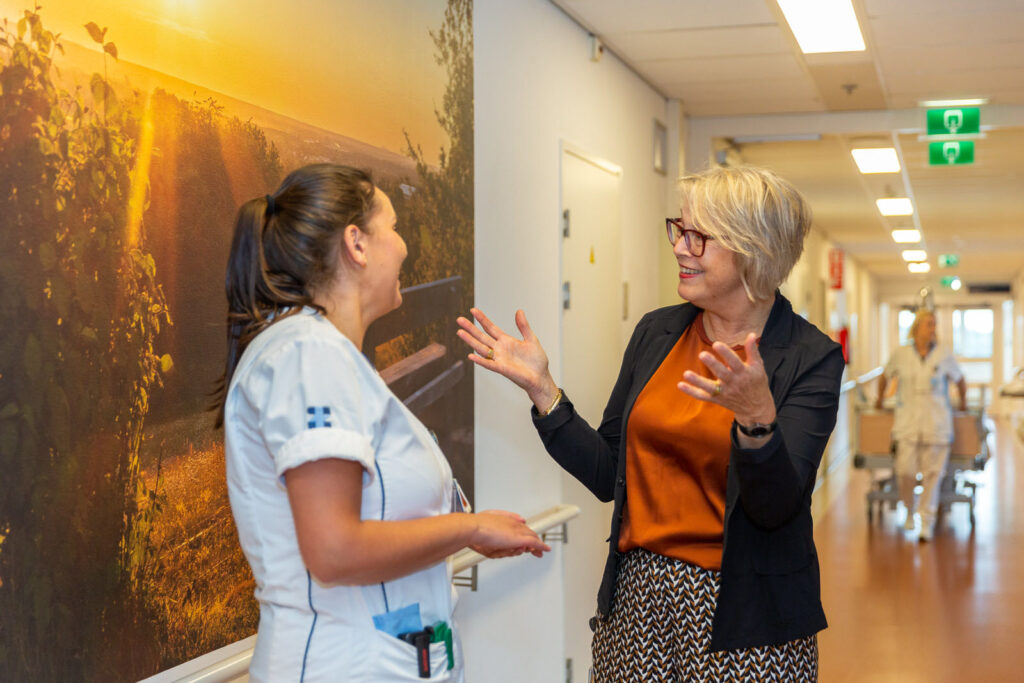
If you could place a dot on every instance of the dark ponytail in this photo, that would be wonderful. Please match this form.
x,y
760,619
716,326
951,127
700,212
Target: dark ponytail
x,y
284,248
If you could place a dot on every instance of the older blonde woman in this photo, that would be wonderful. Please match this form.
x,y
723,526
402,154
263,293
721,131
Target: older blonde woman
x,y
923,420
708,447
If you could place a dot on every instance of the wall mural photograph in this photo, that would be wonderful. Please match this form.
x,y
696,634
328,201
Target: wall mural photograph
x,y
130,132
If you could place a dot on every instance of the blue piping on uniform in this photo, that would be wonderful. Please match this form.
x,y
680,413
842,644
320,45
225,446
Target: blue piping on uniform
x,y
380,480
309,638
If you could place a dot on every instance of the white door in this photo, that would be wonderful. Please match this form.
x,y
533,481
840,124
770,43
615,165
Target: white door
x,y
591,354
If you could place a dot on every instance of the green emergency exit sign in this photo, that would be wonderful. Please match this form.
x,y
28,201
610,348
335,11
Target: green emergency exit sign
x,y
959,121
948,260
951,152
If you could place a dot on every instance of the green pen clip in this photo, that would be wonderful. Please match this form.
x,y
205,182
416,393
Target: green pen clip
x,y
442,633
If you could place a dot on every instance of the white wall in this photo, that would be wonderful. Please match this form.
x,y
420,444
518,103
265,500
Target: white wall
x,y
535,86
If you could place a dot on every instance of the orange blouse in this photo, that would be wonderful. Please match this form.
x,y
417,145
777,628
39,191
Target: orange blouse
x,y
677,451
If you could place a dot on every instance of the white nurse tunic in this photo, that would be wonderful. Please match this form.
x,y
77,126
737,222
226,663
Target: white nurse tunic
x,y
923,410
301,392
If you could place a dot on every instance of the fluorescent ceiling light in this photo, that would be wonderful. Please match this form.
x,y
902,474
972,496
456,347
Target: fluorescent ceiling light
x,y
895,206
954,103
919,267
876,160
915,255
823,25
906,236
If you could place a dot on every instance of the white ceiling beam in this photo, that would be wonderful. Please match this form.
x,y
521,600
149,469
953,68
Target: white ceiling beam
x,y
703,129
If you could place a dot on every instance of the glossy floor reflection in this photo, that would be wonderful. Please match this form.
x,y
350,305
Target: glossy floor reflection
x,y
949,610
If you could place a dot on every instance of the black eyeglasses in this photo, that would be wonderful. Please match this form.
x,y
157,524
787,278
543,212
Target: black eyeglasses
x,y
695,240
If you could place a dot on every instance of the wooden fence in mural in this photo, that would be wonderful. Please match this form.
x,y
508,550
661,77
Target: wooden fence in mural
x,y
429,373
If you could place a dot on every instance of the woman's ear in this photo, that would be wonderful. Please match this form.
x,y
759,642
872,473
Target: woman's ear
x,y
353,244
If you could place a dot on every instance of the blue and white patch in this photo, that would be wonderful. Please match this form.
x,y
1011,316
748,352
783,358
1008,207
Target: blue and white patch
x,y
321,416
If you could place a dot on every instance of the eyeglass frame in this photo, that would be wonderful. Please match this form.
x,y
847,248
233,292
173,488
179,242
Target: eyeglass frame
x,y
672,225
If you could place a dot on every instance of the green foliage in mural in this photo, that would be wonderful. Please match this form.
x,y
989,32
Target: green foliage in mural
x,y
80,310
441,211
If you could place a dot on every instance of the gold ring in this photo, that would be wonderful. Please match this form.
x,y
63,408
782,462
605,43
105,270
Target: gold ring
x,y
490,353
718,387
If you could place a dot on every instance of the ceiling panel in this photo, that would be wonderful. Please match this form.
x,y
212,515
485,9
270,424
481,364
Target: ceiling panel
x,y
747,105
615,16
724,69
947,28
933,7
918,58
697,44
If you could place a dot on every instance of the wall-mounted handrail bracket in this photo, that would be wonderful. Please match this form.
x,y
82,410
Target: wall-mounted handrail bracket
x,y
558,534
467,580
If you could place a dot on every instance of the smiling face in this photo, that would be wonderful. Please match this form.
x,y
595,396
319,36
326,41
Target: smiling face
x,y
711,281
385,252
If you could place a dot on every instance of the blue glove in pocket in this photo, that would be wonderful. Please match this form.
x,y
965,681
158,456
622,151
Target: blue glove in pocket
x,y
402,620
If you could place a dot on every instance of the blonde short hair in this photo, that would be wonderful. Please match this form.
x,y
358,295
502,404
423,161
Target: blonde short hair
x,y
754,213
919,315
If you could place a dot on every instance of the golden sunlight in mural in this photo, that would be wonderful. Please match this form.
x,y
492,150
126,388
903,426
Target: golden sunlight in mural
x,y
306,65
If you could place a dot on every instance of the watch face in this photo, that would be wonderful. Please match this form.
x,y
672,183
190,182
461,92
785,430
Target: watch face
x,y
757,430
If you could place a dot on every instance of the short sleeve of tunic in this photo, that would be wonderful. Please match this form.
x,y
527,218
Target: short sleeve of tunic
x,y
892,367
950,367
313,405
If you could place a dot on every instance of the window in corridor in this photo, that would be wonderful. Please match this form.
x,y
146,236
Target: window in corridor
x,y
904,319
973,330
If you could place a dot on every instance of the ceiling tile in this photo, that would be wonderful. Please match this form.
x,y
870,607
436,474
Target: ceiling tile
x,y
614,16
700,44
723,69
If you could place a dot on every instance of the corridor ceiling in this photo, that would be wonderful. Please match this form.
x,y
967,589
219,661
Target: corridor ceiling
x,y
732,60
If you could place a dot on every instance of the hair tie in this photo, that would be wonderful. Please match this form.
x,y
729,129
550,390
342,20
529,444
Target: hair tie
x,y
270,205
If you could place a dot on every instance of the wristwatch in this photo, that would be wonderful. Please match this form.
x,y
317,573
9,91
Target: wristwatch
x,y
757,429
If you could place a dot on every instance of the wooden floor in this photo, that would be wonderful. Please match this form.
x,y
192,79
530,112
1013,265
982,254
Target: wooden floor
x,y
949,610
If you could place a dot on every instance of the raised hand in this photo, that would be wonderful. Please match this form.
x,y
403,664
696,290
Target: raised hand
x,y
740,386
523,361
504,534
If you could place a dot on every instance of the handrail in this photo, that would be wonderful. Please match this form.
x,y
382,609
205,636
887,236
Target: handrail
x,y
232,661
549,519
851,384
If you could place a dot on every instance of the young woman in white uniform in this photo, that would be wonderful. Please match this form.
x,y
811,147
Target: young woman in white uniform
x,y
923,421
342,498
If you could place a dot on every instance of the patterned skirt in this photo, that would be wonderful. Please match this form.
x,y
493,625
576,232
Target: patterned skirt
x,y
660,630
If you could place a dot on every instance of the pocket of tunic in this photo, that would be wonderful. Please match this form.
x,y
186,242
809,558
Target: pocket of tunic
x,y
395,660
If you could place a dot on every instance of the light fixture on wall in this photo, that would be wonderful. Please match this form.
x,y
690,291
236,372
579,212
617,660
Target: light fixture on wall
x,y
906,236
823,25
919,267
975,102
660,147
895,206
914,255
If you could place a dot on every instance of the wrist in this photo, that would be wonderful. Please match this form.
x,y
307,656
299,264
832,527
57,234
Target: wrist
x,y
468,527
547,410
544,394
755,418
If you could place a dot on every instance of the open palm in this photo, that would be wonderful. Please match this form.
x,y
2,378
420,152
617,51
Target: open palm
x,y
523,361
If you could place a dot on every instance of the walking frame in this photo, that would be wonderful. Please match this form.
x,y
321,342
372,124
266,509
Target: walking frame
x,y
876,450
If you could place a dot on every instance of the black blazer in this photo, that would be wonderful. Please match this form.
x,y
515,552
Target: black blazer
x,y
770,589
